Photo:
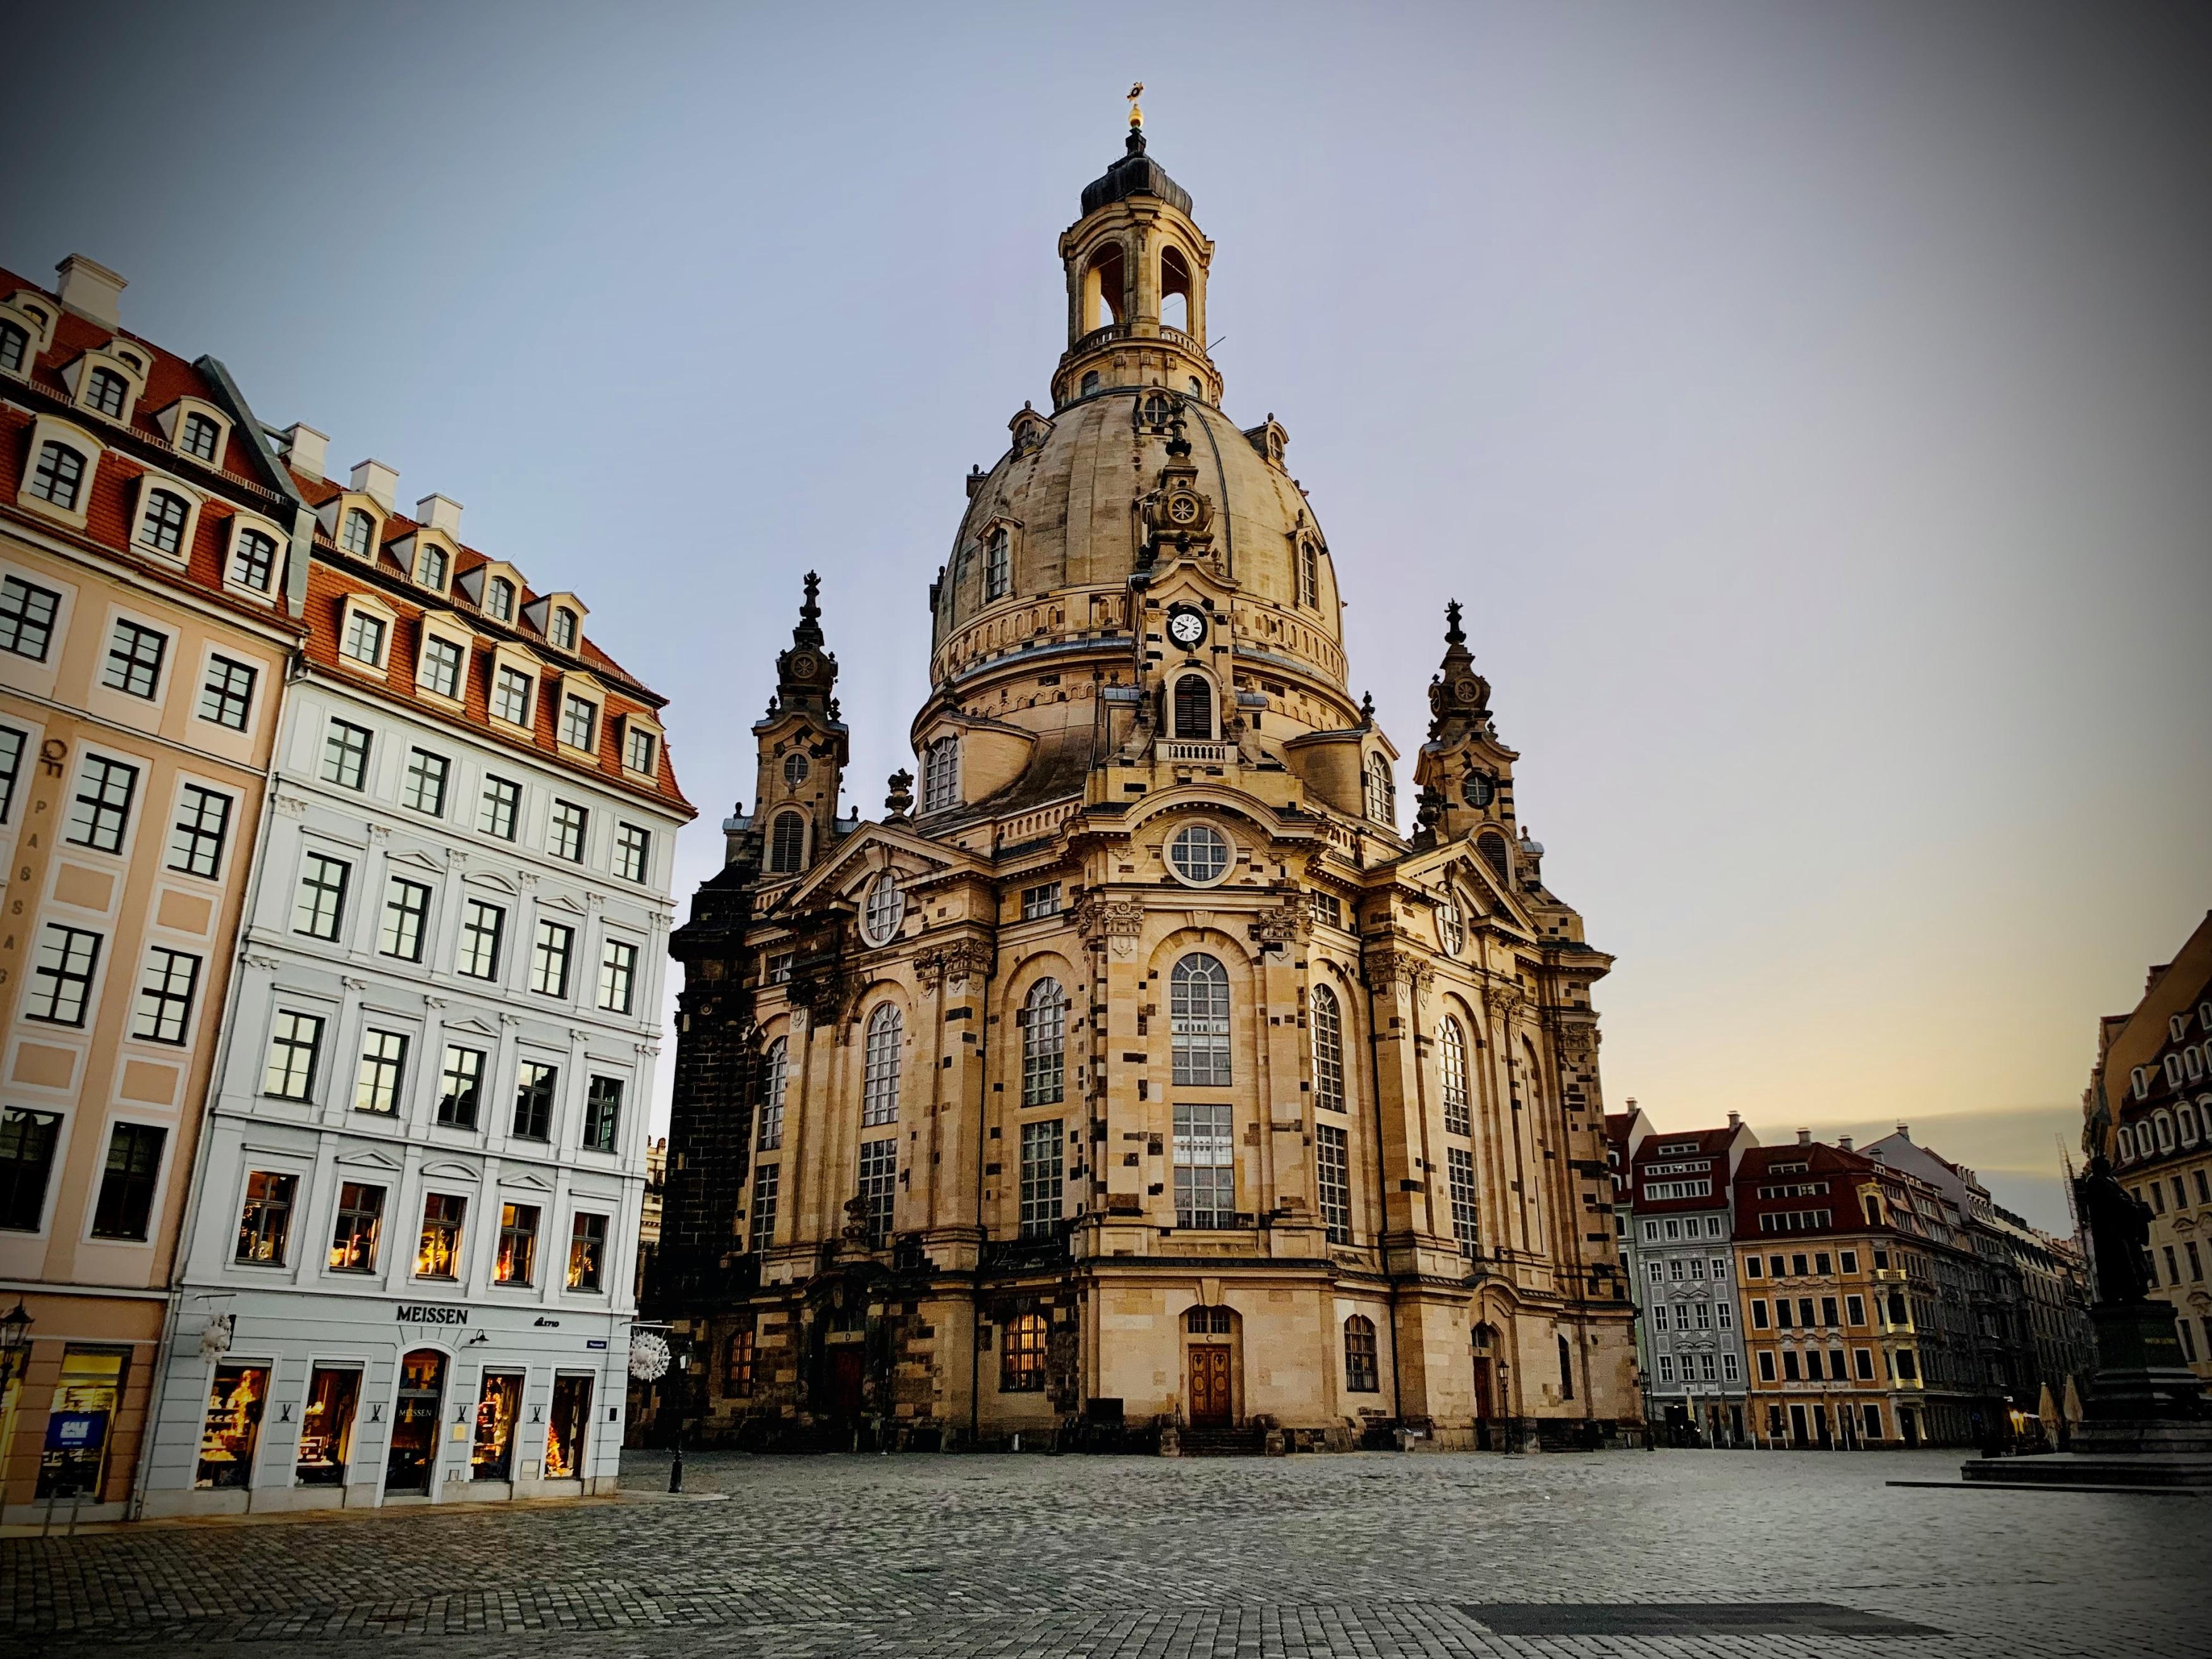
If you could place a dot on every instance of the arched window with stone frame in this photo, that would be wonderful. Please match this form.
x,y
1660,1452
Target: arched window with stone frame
x,y
1451,1075
879,1071
1325,1016
775,1080
1308,575
940,774
787,848
1198,1013
998,564
1044,1044
1363,1372
1381,793
1193,707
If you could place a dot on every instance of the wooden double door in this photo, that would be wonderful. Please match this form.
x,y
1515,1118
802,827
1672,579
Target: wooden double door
x,y
1211,1403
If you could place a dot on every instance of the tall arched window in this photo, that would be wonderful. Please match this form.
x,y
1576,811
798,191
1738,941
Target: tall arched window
x,y
940,774
775,1078
1175,298
162,527
1309,576
1380,807
1362,1374
1193,707
1492,846
998,566
1103,284
1327,1020
1044,1044
1451,1065
787,848
1198,1010
879,1076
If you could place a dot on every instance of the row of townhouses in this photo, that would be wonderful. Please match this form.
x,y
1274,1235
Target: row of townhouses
x,y
338,865
1836,1296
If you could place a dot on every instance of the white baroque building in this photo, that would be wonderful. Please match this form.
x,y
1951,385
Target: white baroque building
x,y
408,1272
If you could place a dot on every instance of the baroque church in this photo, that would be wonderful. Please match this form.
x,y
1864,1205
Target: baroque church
x,y
1138,1081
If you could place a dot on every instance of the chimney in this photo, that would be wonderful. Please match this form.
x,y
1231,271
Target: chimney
x,y
440,512
1844,1141
91,289
1804,1137
1735,1121
1905,1131
1631,1103
307,449
376,481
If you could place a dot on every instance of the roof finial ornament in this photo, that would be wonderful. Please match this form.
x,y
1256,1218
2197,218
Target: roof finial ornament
x,y
1453,634
809,631
1367,709
1136,110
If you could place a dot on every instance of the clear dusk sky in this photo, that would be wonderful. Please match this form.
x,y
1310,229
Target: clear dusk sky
x,y
1812,404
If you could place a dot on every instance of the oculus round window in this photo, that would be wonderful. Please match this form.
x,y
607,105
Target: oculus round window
x,y
1450,928
1479,790
795,769
884,909
1200,853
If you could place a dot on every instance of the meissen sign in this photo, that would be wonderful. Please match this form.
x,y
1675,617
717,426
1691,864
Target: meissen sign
x,y
418,1313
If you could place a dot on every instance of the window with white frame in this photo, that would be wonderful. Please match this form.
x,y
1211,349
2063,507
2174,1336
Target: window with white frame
x,y
1451,929
580,722
27,617
253,559
61,974
1451,1068
358,534
1198,853
998,566
499,597
134,659
775,1078
761,1224
321,907
161,524
618,976
510,695
940,774
1043,1180
423,788
878,1186
294,1041
441,666
227,694
1327,1020
364,637
58,477
1333,1165
565,836
884,908
1459,1167
1198,1007
879,1073
632,851
1041,901
1205,1165
1044,1044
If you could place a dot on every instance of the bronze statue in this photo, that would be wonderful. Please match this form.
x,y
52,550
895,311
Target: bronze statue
x,y
2119,1233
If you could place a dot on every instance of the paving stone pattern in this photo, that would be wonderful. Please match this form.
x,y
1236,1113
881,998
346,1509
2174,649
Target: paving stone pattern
x,y
1375,1555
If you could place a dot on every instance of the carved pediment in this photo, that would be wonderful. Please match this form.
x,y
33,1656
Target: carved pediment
x,y
415,859
367,1159
527,1181
450,1170
492,879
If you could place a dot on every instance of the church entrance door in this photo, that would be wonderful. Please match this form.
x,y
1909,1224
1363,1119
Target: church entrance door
x,y
1209,1385
845,1361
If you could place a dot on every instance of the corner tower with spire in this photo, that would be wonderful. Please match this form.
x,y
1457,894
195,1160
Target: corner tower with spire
x,y
1138,1075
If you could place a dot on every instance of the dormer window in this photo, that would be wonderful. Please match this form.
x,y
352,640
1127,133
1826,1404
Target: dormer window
x,y
105,393
510,696
253,559
359,537
1380,806
499,599
161,526
442,660
1309,576
997,566
2140,1077
940,774
638,749
564,628
58,477
364,637
430,567
580,721
199,437
14,348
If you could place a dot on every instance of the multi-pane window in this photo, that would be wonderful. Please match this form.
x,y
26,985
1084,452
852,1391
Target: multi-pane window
x,y
564,628
198,437
534,1084
294,1041
548,959
265,1221
161,526
438,1254
997,571
61,976
14,348
481,927
1459,1167
253,559
1043,1177
940,774
884,908
499,599
775,1080
165,996
353,1234
502,806
441,669
1327,908
363,640
1451,926
322,897
618,976
406,920
1198,1010
27,617
104,392
565,836
602,1102
517,1261
1200,852
879,1071
1362,1373
1204,1166
632,851
196,839
60,476
580,721
637,748
1041,901
27,1140
1309,576
460,1087
778,971
761,1232
101,809
1381,793
134,659
879,1188
1022,1354
1333,1162
360,533
124,1208
1044,1044
430,569
383,1066
1327,1049
510,696
587,1252
345,754
787,849
423,789
1451,1068
227,696
738,1369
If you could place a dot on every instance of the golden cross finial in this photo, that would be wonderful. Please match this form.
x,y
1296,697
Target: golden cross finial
x,y
1136,110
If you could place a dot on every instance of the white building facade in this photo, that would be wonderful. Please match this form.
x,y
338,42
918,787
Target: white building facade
x,y
1697,1376
409,1269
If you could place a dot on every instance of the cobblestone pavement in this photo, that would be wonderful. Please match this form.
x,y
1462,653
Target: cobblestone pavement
x,y
1375,1555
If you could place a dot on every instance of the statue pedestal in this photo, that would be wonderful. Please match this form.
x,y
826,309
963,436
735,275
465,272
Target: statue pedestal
x,y
2144,1398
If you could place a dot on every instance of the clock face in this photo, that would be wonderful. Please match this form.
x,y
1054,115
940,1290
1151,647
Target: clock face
x,y
1187,629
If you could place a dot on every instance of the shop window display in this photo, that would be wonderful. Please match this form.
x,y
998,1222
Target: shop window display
x,y
326,1426
74,1458
566,1427
233,1426
498,1407
414,1452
